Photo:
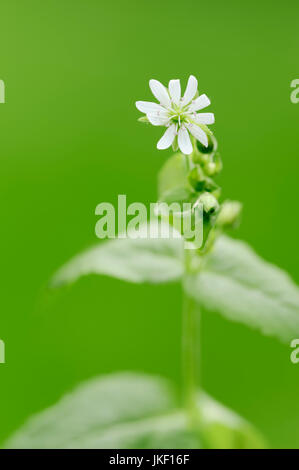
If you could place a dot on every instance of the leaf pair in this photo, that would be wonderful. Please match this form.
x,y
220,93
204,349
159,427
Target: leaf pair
x,y
233,281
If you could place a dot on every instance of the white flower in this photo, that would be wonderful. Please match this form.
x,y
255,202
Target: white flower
x,y
178,114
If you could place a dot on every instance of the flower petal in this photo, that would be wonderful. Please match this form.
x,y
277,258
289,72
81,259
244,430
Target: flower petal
x,y
204,118
190,90
148,107
167,138
199,134
159,91
201,102
184,141
156,119
174,88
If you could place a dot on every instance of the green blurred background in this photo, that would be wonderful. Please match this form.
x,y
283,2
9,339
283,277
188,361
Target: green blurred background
x,y
69,140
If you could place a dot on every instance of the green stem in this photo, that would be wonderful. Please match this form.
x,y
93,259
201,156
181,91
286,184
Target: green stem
x,y
190,351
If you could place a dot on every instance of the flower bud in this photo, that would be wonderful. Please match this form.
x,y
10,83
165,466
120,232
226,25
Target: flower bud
x,y
229,215
214,165
209,202
200,182
197,179
200,158
210,168
218,162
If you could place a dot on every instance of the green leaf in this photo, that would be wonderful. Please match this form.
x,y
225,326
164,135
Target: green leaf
x,y
151,260
225,429
173,174
237,283
127,410
180,195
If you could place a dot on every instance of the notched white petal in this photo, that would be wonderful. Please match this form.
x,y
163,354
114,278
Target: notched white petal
x,y
167,138
199,134
199,103
148,106
174,88
184,141
204,118
190,90
160,92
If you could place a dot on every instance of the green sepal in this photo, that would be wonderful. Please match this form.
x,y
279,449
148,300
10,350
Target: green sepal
x,y
143,119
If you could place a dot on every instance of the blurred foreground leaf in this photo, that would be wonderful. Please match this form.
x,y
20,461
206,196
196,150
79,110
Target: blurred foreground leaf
x,y
128,410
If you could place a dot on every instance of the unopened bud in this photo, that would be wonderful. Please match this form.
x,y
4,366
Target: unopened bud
x,y
210,168
209,202
214,165
200,182
218,162
201,158
229,215
197,179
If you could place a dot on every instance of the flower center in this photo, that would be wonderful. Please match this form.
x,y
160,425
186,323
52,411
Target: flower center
x,y
177,115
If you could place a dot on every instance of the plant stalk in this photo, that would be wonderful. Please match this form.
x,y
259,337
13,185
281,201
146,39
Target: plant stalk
x,y
190,349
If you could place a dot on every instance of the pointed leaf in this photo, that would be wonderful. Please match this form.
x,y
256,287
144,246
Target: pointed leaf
x,y
239,284
136,260
127,410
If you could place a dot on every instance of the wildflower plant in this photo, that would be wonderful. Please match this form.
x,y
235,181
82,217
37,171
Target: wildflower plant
x,y
223,275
